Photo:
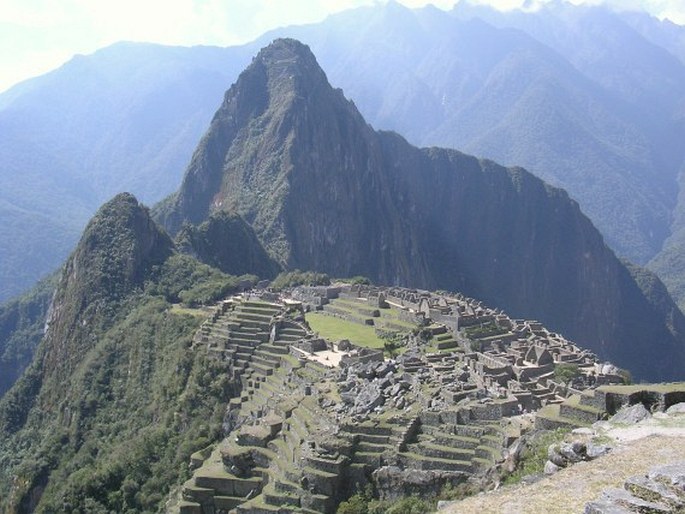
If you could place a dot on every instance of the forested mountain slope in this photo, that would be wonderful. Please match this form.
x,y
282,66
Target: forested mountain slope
x,y
113,403
324,191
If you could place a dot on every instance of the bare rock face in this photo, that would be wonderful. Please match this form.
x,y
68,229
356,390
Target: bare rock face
x,y
676,410
324,191
22,324
631,415
393,483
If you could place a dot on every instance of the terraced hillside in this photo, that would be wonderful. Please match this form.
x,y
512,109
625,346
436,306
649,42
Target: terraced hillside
x,y
319,412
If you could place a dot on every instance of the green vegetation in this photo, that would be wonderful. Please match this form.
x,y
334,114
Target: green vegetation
x,y
22,321
363,503
626,376
181,310
484,330
671,387
459,491
388,321
300,278
114,403
182,279
356,280
535,455
334,329
226,242
394,344
566,372
141,404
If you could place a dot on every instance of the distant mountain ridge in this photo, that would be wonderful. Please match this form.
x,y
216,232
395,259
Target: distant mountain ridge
x,y
524,89
123,119
325,192
118,396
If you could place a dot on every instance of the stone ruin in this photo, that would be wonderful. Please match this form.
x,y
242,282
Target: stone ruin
x,y
313,421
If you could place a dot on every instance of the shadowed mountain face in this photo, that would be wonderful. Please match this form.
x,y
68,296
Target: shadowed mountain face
x,y
589,100
572,93
324,191
229,244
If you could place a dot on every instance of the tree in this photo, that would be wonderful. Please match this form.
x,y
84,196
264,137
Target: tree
x,y
566,372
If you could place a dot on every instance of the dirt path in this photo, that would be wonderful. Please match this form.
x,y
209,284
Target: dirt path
x,y
637,449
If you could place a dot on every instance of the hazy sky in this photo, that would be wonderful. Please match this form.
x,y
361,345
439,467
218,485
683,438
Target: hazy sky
x,y
39,35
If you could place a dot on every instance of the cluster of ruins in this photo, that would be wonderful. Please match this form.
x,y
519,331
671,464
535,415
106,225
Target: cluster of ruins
x,y
475,348
313,420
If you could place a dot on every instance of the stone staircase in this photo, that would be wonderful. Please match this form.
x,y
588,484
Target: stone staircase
x,y
540,395
212,489
298,479
235,331
262,467
352,310
360,312
446,342
239,332
373,440
442,446
285,455
239,469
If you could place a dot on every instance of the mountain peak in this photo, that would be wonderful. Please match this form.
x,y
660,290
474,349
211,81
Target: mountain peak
x,y
119,244
323,191
288,65
282,97
284,50
114,257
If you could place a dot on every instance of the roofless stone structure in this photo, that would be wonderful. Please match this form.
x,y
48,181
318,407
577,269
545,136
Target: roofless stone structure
x,y
313,420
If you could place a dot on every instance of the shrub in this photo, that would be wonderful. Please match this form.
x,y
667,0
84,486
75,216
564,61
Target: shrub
x,y
357,504
566,372
626,376
300,278
535,455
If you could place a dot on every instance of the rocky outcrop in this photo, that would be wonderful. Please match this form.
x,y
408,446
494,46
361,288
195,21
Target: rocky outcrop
x,y
394,483
324,191
226,242
115,255
661,490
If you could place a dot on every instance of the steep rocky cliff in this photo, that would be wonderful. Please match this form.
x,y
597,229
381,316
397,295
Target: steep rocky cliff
x,y
324,191
22,324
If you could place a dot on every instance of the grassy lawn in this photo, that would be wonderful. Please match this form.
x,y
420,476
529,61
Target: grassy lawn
x,y
387,315
397,322
334,329
671,387
202,312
